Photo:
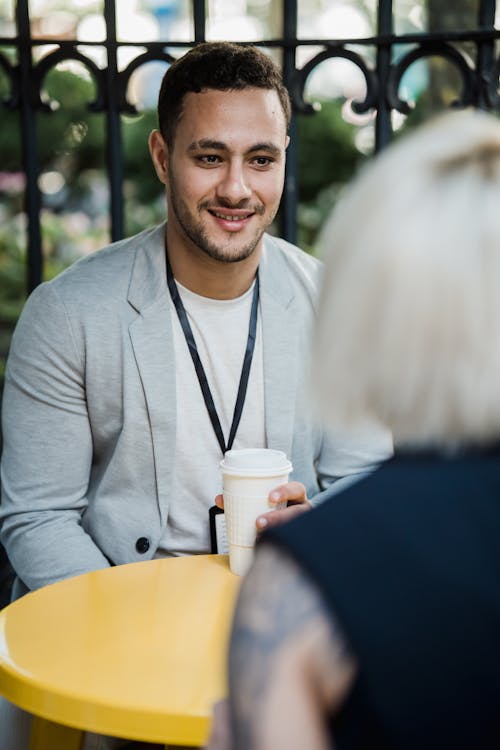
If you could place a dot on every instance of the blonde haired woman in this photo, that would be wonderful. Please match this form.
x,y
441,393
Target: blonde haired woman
x,y
374,621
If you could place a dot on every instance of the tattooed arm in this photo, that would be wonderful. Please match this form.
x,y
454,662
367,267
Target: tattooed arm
x,y
288,665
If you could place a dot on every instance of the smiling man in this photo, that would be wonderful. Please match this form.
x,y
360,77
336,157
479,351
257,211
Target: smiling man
x,y
132,372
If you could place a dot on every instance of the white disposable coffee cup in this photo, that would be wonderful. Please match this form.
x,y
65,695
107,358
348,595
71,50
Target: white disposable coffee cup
x,y
248,477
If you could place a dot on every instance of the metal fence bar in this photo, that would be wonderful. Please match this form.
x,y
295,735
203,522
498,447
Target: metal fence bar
x,y
200,20
114,150
289,201
29,145
383,127
485,54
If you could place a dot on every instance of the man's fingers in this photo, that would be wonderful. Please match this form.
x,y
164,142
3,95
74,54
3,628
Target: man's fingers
x,y
291,492
275,517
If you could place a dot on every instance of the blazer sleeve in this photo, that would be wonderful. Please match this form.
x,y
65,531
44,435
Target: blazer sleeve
x,y
47,448
346,458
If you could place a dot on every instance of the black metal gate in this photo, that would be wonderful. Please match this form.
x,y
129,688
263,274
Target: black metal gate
x,y
374,56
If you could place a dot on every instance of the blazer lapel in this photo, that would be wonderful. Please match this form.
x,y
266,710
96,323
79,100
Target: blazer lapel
x,y
152,343
280,362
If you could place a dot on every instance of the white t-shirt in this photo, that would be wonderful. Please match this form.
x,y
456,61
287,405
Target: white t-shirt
x,y
220,330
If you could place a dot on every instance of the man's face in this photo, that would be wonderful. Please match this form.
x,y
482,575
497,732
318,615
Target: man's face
x,y
225,171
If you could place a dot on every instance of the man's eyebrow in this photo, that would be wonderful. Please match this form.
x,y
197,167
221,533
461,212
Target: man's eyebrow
x,y
266,146
208,143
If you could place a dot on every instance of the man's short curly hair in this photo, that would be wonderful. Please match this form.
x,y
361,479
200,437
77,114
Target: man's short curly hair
x,y
224,66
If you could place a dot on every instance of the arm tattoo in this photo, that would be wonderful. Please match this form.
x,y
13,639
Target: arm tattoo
x,y
278,606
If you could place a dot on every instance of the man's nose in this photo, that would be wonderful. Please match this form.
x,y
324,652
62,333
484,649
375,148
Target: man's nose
x,y
234,186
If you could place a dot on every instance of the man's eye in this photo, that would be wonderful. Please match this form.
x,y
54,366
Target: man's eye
x,y
263,161
209,159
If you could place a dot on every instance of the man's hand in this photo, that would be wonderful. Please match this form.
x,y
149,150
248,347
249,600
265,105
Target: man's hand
x,y
292,493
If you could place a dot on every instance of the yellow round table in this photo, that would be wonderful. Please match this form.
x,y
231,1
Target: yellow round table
x,y
135,651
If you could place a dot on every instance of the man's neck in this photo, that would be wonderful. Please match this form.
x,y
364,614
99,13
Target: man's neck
x,y
209,277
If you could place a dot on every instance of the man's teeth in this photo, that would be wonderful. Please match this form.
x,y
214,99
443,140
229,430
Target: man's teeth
x,y
228,218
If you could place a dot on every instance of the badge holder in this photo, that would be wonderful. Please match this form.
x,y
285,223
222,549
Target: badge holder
x,y
218,538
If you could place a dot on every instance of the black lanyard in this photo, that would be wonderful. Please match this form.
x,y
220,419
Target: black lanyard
x,y
200,372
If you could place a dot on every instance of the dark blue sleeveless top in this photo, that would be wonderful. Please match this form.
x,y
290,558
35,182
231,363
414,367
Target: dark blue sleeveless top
x,y
409,562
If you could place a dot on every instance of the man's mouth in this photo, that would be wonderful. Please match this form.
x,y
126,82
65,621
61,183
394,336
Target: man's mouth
x,y
233,216
231,219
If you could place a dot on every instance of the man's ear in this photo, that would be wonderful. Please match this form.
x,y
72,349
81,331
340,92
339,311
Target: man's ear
x,y
159,155
287,141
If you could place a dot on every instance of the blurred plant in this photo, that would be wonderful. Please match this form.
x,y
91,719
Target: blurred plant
x,y
12,267
13,263
327,159
13,278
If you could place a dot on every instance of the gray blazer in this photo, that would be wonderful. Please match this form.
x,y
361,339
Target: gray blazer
x,y
89,413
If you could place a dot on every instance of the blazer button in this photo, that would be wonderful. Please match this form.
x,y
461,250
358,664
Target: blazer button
x,y
142,545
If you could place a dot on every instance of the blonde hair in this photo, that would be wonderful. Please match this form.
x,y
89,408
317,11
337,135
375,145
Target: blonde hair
x,y
409,331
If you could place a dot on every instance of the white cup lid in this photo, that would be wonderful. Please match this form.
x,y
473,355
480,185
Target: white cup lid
x,y
255,462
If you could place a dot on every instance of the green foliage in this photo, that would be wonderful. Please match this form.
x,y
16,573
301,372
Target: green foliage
x,y
326,150
12,269
13,275
138,166
71,136
144,194
13,242
327,159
